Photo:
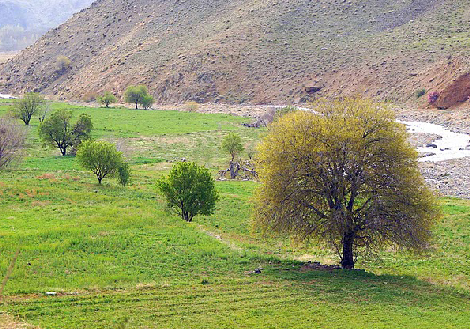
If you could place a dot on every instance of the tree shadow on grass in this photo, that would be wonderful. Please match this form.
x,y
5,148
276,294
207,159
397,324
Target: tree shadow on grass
x,y
360,286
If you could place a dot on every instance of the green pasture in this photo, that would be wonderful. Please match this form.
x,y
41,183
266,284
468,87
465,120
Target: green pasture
x,y
115,258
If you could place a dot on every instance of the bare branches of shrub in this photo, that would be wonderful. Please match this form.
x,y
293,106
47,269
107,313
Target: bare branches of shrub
x,y
12,139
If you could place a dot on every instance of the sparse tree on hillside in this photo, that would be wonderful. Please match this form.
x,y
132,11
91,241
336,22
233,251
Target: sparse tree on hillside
x,y
26,107
137,95
189,190
107,98
58,131
347,177
12,138
63,64
103,159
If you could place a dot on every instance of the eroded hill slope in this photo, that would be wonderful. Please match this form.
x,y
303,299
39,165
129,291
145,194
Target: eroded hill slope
x,y
250,50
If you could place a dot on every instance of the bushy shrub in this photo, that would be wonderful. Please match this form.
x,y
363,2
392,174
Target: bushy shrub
x,y
433,96
189,190
124,174
147,102
420,93
63,64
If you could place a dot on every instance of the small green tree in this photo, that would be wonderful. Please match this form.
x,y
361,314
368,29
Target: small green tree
x,y
124,174
103,159
29,105
147,102
232,143
136,95
57,130
189,190
107,98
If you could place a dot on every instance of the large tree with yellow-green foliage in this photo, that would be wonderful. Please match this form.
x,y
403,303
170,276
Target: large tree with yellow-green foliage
x,y
347,177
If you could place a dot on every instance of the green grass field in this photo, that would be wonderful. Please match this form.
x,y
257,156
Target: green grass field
x,y
116,259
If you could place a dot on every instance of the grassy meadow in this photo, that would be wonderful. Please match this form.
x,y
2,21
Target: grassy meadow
x,y
115,258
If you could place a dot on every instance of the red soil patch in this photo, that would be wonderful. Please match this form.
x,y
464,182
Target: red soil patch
x,y
455,93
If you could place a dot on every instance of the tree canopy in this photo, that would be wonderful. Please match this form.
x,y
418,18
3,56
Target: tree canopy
x,y
12,139
58,131
107,98
103,159
189,190
27,106
147,102
138,95
232,143
346,177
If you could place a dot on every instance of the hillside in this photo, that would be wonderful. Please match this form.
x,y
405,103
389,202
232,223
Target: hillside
x,y
24,21
253,51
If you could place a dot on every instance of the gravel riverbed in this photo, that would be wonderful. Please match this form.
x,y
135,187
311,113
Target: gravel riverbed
x,y
449,177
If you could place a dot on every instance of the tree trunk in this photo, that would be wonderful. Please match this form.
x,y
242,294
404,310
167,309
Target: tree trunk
x,y
347,261
186,216
100,179
136,106
233,170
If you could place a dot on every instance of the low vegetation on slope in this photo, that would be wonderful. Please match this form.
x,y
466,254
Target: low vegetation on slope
x,y
107,256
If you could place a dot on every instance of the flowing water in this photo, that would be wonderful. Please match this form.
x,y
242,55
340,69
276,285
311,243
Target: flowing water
x,y
2,96
450,145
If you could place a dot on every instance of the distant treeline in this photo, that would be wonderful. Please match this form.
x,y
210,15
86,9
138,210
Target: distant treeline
x,y
23,21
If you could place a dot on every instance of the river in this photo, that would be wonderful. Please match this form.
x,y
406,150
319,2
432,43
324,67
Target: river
x,y
451,145
3,96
